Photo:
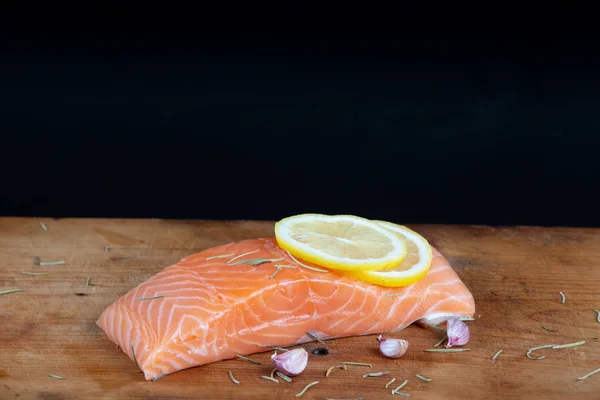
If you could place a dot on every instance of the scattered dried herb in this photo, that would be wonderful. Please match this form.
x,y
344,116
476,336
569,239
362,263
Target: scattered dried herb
x,y
549,329
421,377
402,394
563,298
313,337
43,225
268,378
598,317
588,375
10,291
528,354
273,373
36,260
400,387
134,357
375,374
497,354
248,359
131,277
331,398
564,346
306,388
441,341
390,382
435,327
241,255
106,249
306,266
50,263
446,350
87,281
150,298
233,379
284,376
319,351
55,376
35,273
467,318
220,256
330,370
255,261
274,347
357,364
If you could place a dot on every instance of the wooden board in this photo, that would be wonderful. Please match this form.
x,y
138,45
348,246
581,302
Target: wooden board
x,y
515,275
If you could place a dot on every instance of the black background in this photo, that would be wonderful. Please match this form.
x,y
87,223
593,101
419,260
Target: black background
x,y
253,114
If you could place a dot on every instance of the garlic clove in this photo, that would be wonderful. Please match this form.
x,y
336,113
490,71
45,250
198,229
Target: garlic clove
x,y
393,348
292,362
458,333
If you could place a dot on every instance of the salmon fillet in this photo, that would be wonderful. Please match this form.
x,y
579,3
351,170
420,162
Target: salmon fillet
x,y
213,308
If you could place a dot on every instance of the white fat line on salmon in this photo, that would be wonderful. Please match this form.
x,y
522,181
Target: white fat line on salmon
x,y
241,255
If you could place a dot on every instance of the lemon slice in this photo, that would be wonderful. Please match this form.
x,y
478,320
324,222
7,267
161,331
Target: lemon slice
x,y
413,268
341,242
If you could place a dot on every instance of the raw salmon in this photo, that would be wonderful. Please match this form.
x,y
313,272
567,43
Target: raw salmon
x,y
225,301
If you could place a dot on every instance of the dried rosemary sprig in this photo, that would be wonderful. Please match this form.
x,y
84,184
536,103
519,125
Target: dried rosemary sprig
x,y
435,327
273,347
446,350
357,364
588,375
563,298
421,377
330,369
306,266
441,341
134,357
306,388
402,394
284,377
528,354
43,225
150,298
248,359
241,255
233,379
390,382
564,346
549,329
87,281
255,261
313,337
497,354
220,256
55,376
268,378
10,291
400,387
375,374
35,273
598,317
50,263
468,319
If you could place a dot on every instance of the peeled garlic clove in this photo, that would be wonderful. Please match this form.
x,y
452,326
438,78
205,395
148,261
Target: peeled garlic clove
x,y
393,348
458,333
290,363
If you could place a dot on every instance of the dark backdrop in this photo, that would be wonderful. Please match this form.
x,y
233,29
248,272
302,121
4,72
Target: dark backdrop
x,y
246,115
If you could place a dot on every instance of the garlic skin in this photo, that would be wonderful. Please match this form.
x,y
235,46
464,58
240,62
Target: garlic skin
x,y
292,362
458,333
393,348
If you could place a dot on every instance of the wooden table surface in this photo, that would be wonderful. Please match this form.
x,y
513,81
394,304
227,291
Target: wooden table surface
x,y
515,275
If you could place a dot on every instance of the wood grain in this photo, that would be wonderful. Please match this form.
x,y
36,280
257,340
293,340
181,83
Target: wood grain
x,y
515,275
